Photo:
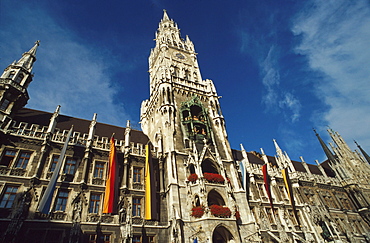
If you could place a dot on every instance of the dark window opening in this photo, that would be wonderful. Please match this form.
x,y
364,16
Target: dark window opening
x,y
192,169
214,198
19,78
8,158
4,104
208,166
221,235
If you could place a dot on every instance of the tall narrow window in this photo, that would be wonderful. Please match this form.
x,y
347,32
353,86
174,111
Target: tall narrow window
x,y
99,170
70,166
19,78
23,160
94,203
137,174
61,201
136,206
8,197
54,163
8,157
4,104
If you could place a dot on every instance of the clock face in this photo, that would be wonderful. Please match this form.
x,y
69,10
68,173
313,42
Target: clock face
x,y
180,56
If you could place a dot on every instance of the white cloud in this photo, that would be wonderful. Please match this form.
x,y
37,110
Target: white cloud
x,y
69,71
275,98
335,38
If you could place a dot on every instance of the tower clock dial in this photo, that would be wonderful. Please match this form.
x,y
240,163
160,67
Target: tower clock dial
x,y
179,56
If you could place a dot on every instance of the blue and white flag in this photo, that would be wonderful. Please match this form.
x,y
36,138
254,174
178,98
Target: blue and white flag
x,y
45,203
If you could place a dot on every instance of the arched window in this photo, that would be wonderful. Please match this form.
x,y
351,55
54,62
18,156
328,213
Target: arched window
x,y
208,166
214,198
191,169
222,235
197,201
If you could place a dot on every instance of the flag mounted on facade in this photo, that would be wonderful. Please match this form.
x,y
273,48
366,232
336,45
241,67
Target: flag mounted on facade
x,y
111,188
45,202
288,186
266,179
150,190
244,176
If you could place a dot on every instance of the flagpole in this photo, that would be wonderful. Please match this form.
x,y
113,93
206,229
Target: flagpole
x,y
45,203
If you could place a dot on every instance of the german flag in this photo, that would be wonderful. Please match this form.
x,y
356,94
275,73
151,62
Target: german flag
x,y
111,192
288,186
150,192
266,179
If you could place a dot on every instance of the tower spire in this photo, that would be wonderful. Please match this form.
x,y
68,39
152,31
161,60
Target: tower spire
x,y
367,157
327,151
29,57
14,82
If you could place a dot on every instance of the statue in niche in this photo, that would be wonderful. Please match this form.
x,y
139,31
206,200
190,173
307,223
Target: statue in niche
x,y
77,210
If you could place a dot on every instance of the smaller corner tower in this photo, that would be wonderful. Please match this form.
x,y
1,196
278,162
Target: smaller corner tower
x,y
13,84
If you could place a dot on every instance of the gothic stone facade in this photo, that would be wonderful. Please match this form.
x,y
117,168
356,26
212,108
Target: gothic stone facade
x,y
204,190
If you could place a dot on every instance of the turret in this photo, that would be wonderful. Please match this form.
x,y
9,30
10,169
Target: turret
x,y
13,84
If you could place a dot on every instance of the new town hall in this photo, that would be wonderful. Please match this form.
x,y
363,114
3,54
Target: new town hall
x,y
202,190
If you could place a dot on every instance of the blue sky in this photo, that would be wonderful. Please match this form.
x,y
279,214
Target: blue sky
x,y
282,67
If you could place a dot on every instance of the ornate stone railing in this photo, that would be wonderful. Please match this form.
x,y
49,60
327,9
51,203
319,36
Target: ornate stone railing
x,y
39,132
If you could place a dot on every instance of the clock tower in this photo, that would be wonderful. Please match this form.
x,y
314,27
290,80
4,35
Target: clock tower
x,y
183,120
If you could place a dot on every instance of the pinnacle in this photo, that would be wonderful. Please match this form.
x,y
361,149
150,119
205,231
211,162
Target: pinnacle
x,y
165,16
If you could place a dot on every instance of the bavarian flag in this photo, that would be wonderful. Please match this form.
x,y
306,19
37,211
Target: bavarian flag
x,y
150,190
45,202
111,192
288,186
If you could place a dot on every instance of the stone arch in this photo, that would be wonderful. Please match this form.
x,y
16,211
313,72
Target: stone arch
x,y
209,166
191,169
222,235
215,198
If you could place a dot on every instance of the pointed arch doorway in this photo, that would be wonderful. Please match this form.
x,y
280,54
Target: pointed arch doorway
x,y
222,235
